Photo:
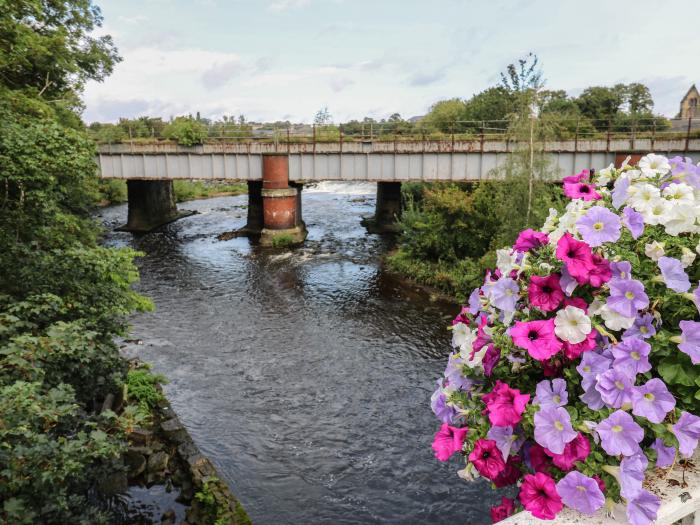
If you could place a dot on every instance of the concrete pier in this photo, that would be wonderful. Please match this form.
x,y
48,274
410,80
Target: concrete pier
x,y
282,218
255,222
387,209
151,204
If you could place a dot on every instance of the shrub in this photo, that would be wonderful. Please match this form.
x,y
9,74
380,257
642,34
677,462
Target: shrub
x,y
186,131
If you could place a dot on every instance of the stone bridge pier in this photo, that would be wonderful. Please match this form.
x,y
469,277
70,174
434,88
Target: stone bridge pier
x,y
281,203
151,204
387,209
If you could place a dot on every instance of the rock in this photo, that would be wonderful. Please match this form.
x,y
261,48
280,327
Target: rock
x,y
168,518
115,483
200,467
174,430
135,463
186,492
140,436
158,463
187,449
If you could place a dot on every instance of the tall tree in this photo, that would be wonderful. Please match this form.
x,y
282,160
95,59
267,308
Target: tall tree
x,y
524,76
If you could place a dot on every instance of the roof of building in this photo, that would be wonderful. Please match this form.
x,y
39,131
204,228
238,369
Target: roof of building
x,y
690,91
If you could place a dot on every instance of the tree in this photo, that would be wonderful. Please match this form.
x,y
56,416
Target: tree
x,y
524,76
495,103
322,117
443,114
600,103
639,99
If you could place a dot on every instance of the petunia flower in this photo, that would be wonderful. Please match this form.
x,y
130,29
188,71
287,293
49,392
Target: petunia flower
x,y
505,294
443,411
529,240
448,440
620,434
632,356
573,351
580,493
652,400
615,388
551,394
538,494
581,190
506,440
653,165
491,358
575,450
592,398
621,270
633,221
545,293
592,365
627,297
665,456
502,511
567,282
537,337
620,191
614,320
643,327
475,301
509,475
690,340
571,324
673,274
681,218
631,475
654,250
487,459
581,176
598,226
643,509
553,429
505,405
576,255
687,431
536,458
600,273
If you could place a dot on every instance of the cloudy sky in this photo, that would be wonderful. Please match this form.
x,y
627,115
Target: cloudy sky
x,y
285,59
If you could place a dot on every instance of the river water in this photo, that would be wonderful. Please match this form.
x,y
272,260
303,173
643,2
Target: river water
x,y
305,375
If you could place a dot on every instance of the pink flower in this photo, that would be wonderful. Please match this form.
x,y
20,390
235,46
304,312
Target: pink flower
x,y
573,351
539,461
510,475
491,358
576,450
502,511
538,494
578,302
601,272
505,405
579,177
487,459
530,239
462,317
545,293
537,337
577,257
581,190
448,440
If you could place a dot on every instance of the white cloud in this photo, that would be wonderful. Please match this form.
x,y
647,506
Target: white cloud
x,y
279,6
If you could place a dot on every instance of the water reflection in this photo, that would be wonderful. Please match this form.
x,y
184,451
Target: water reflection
x,y
305,376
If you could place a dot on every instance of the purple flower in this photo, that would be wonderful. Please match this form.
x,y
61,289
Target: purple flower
x,y
652,400
592,399
551,394
453,374
506,440
619,434
504,294
642,509
438,402
553,429
621,270
634,221
615,388
567,282
580,492
674,275
696,297
632,356
475,302
627,296
664,455
643,327
599,225
632,475
687,431
690,340
591,365
619,193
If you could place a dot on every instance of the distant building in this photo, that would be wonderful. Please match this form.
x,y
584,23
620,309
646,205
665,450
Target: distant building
x,y
690,104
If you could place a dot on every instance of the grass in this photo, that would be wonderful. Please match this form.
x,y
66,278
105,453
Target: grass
x,y
284,240
113,191
142,387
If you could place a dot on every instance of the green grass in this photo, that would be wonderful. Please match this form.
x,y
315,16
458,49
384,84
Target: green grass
x,y
284,240
113,191
142,386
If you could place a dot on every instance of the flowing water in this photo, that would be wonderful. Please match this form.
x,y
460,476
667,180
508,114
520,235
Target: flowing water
x,y
305,375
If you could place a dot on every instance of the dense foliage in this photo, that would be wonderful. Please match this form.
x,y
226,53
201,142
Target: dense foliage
x,y
576,360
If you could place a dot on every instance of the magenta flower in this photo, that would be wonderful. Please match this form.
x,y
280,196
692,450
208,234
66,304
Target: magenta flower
x,y
575,450
529,240
627,297
632,475
553,429
652,400
573,351
487,459
643,327
461,317
580,493
665,456
551,394
491,358
581,190
505,294
581,176
502,511
448,440
687,432
592,365
577,257
538,494
600,273
633,221
615,388
690,340
537,337
545,293
619,434
632,356
510,475
505,405
673,274
642,510
598,226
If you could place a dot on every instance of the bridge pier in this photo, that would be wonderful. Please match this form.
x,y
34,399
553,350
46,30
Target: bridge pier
x,y
281,203
387,210
255,222
151,204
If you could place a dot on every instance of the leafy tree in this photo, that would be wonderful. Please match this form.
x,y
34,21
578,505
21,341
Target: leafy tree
x,y
523,76
443,115
600,103
322,117
186,131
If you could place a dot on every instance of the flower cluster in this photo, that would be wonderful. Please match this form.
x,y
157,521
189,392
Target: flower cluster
x,y
573,370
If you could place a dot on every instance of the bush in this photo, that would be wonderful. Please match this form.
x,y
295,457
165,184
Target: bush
x,y
186,131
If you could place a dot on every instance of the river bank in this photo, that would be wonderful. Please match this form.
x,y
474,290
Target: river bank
x,y
113,191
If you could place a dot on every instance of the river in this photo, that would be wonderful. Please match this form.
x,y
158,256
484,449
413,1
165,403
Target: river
x,y
305,375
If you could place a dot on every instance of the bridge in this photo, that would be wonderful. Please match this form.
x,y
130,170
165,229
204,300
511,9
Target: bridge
x,y
276,171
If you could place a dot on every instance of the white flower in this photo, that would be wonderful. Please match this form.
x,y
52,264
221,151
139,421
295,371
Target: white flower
x,y
572,324
603,176
642,196
505,261
657,212
551,221
653,165
632,174
546,267
595,307
679,192
615,321
654,250
477,358
468,473
682,218
687,258
462,336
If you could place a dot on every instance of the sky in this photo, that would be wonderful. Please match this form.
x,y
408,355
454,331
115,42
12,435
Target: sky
x,y
285,59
